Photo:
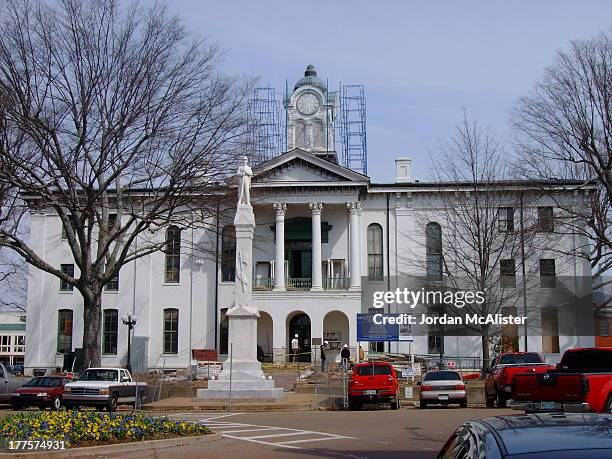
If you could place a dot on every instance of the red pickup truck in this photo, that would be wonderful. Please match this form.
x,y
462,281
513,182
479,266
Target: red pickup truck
x,y
498,380
582,381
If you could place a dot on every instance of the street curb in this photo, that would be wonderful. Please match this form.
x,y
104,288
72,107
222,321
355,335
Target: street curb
x,y
148,445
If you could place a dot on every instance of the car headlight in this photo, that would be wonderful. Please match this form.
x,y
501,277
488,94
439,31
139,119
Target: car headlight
x,y
67,390
104,391
41,394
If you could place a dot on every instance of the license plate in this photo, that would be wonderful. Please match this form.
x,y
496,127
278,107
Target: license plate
x,y
369,392
443,397
547,405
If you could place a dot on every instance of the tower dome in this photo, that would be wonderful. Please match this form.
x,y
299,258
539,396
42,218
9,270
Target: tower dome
x,y
310,79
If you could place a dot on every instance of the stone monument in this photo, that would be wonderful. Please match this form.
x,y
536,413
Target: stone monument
x,y
242,372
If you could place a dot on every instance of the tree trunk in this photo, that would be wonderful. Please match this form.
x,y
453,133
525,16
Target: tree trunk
x,y
485,348
92,321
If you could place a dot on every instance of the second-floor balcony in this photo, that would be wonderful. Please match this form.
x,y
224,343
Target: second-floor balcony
x,y
301,283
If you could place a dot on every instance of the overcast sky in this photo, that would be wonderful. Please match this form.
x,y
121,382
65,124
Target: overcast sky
x,y
421,62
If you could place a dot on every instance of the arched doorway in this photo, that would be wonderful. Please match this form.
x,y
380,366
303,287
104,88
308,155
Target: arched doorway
x,y
336,333
299,324
264,336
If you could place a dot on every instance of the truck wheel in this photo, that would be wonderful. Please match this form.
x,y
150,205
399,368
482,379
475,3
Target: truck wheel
x,y
56,404
608,407
501,400
422,404
395,403
490,402
463,403
112,404
354,404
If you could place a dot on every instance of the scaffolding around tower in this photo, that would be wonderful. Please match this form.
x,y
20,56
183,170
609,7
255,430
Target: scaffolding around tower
x,y
353,127
266,126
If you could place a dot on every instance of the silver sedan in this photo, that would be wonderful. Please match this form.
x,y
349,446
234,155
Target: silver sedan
x,y
443,387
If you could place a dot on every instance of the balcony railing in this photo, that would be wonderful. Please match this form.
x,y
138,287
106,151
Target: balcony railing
x,y
301,283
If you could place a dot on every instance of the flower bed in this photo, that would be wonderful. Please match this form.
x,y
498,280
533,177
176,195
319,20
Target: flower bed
x,y
90,428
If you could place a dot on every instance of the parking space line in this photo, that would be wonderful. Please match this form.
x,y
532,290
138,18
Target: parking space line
x,y
310,439
305,432
262,442
253,430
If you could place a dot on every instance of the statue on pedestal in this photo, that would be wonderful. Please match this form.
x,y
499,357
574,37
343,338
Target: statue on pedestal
x,y
244,191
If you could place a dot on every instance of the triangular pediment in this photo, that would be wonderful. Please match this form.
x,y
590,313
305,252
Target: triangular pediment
x,y
298,166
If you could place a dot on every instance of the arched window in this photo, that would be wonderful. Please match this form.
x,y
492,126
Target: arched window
x,y
228,254
64,331
300,135
375,252
433,248
171,317
173,255
317,135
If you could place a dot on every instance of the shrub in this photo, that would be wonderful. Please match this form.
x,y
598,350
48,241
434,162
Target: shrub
x,y
91,427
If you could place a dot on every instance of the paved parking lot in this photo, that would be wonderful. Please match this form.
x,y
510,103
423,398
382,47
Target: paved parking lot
x,y
371,433
407,433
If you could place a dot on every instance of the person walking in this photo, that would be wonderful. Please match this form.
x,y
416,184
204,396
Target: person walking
x,y
295,348
323,357
345,355
361,354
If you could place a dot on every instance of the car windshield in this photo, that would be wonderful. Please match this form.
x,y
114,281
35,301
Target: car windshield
x,y
442,376
372,370
591,359
43,382
510,359
100,375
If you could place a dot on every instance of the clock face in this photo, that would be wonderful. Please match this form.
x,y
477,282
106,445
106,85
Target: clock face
x,y
308,104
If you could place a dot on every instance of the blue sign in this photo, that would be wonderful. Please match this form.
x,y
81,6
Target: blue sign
x,y
369,330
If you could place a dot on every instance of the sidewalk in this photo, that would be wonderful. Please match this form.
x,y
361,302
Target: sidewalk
x,y
292,402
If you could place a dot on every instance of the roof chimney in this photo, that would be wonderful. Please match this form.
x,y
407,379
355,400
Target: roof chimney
x,y
402,169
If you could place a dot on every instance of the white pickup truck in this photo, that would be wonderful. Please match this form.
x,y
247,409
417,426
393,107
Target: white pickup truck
x,y
9,383
103,388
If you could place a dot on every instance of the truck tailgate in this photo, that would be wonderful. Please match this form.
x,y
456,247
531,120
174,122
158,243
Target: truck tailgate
x,y
550,386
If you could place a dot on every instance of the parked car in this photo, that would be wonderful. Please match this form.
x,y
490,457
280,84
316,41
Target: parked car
x,y
373,382
9,383
541,436
582,381
44,392
103,388
442,387
498,380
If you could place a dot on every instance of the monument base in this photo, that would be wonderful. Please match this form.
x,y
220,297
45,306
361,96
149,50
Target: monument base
x,y
247,382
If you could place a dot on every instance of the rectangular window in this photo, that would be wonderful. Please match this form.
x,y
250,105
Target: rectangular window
x,y
434,340
110,331
64,331
20,343
604,329
546,219
72,223
67,269
113,284
170,331
547,273
507,273
5,343
506,219
173,256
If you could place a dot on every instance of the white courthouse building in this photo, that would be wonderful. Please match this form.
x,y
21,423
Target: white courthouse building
x,y
321,230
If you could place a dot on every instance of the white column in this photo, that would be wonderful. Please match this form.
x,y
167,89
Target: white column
x,y
355,261
279,247
317,276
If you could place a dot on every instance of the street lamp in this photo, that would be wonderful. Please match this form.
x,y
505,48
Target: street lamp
x,y
130,321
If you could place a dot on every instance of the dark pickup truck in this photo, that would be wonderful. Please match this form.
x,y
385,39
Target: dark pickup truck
x,y
582,381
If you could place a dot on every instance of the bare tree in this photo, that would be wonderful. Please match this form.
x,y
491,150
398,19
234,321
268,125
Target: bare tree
x,y
118,121
564,128
483,233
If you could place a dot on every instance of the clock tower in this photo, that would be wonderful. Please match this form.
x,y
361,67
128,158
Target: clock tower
x,y
311,114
